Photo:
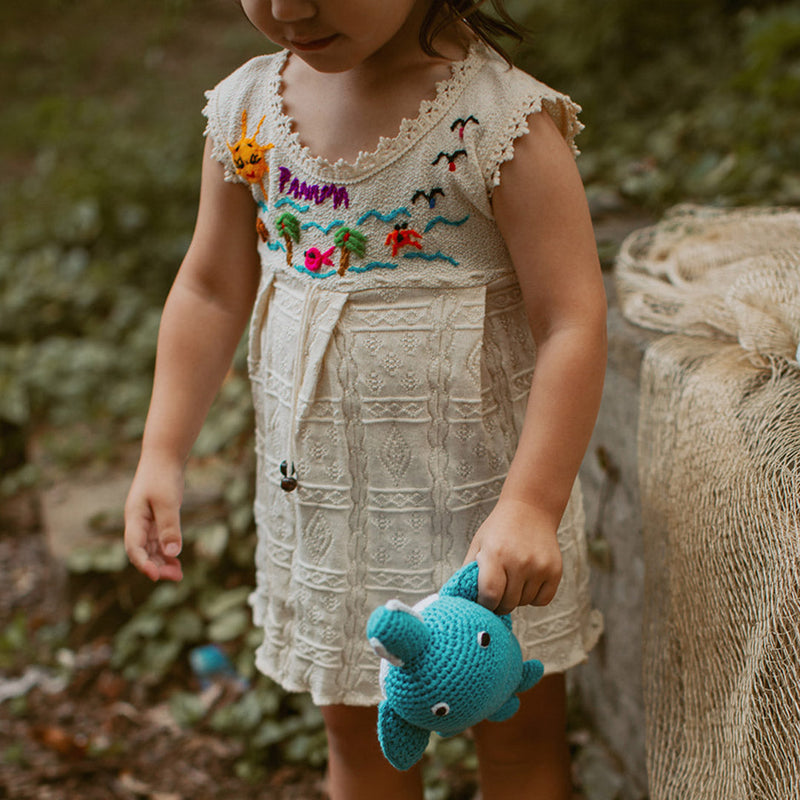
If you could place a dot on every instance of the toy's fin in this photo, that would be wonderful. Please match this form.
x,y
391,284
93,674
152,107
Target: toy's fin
x,y
508,709
463,583
532,671
402,743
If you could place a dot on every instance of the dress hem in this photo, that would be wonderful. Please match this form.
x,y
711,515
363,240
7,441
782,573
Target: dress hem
x,y
577,654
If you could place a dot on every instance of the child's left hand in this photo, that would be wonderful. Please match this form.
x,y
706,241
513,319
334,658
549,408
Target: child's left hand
x,y
518,557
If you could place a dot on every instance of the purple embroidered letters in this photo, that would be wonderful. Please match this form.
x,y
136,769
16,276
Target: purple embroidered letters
x,y
316,192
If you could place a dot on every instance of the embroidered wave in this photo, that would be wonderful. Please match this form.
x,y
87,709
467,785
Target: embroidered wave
x,y
390,217
444,221
439,256
326,229
287,201
366,268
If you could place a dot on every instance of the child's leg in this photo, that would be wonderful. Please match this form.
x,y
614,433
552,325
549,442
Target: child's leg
x,y
357,769
527,755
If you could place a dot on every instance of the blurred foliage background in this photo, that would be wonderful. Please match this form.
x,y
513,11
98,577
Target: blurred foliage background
x,y
100,146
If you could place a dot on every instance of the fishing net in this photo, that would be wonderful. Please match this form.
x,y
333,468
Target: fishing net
x,y
719,471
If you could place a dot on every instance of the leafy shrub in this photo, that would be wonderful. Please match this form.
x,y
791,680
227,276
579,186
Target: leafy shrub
x,y
683,101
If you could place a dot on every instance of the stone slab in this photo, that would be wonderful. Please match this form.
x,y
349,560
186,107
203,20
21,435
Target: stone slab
x,y
610,684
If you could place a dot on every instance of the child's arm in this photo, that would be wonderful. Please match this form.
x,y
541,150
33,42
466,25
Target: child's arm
x,y
204,316
541,211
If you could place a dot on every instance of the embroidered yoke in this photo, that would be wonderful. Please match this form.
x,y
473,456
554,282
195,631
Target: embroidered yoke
x,y
390,359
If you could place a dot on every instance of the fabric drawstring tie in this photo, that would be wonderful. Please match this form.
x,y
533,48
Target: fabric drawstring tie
x,y
287,467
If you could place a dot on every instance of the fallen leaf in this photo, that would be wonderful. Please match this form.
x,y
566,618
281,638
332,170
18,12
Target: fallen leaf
x,y
131,783
70,745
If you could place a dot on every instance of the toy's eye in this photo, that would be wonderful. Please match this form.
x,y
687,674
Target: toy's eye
x,y
441,709
484,638
238,162
255,158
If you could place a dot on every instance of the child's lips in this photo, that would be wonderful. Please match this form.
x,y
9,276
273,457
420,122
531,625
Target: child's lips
x,y
313,44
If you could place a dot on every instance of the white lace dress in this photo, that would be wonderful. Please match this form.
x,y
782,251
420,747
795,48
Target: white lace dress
x,y
391,359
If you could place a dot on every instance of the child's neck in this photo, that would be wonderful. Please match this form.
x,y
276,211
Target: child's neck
x,y
338,115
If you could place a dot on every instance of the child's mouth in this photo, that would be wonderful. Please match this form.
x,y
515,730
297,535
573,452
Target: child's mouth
x,y
314,44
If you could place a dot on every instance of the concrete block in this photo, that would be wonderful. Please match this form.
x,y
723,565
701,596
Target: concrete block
x,y
609,686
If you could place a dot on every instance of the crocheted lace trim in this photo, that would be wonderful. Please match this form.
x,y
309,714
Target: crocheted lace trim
x,y
219,142
563,110
388,149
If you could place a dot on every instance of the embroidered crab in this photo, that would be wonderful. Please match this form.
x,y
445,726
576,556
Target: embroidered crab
x,y
403,236
248,155
448,663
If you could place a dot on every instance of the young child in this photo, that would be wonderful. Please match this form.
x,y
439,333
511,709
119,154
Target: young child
x,y
398,212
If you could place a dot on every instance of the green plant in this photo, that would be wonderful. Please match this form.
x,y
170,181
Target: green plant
x,y
684,101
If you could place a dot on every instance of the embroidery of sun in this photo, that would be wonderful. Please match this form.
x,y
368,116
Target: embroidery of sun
x,y
403,236
249,156
451,158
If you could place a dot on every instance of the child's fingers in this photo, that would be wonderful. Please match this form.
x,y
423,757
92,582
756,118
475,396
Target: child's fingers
x,y
472,553
170,570
492,582
547,591
136,547
516,594
168,525
139,558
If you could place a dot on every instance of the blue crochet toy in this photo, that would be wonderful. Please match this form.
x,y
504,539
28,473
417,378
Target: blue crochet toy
x,y
448,663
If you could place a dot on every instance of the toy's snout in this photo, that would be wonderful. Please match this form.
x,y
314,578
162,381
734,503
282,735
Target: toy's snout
x,y
397,633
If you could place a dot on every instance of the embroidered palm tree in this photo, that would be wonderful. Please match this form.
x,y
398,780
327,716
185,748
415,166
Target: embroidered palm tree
x,y
289,227
349,240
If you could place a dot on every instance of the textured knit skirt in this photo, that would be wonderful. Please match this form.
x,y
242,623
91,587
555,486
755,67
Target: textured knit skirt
x,y
397,411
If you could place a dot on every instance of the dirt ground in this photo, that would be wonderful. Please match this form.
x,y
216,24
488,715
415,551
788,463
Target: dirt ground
x,y
97,736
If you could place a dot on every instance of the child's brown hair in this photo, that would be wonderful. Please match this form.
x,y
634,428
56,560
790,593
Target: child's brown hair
x,y
442,13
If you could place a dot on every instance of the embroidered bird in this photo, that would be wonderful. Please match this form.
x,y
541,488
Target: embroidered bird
x,y
403,236
248,155
451,158
429,196
461,123
316,259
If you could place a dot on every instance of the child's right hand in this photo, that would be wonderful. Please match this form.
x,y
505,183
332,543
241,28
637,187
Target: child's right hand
x,y
152,520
